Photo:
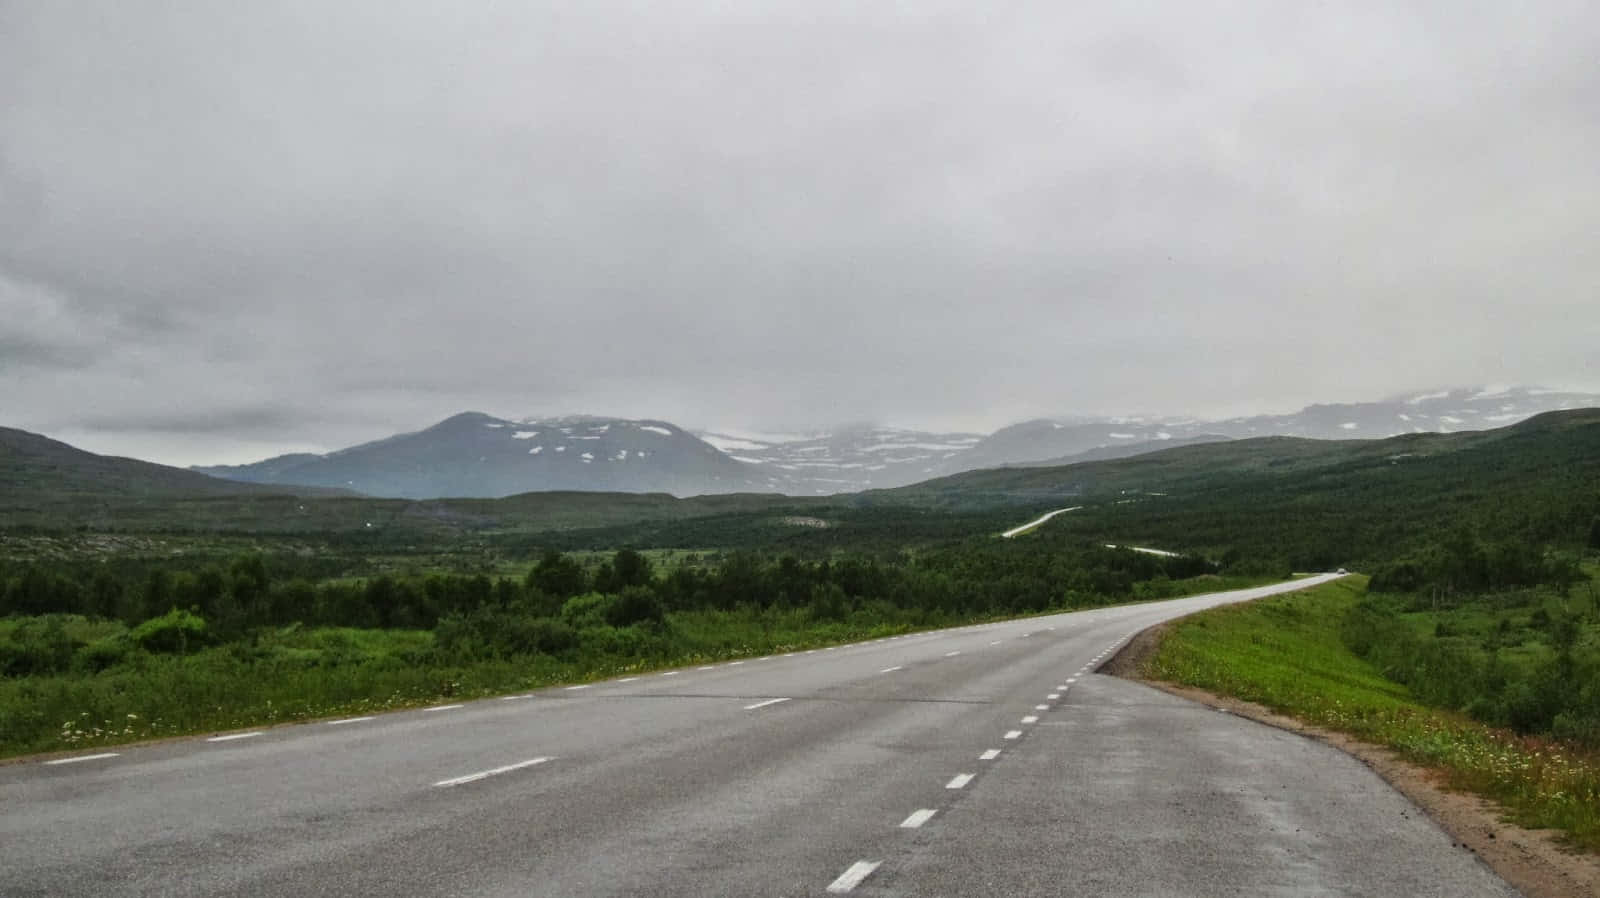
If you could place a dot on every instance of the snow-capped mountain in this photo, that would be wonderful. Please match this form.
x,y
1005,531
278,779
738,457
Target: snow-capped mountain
x,y
847,460
1065,440
474,454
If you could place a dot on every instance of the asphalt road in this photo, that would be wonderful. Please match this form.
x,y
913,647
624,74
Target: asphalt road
x,y
987,760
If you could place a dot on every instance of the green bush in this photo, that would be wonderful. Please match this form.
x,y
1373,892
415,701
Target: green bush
x,y
35,647
102,654
635,605
176,632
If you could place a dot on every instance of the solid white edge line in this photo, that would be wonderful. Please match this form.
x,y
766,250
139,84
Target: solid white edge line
x,y
101,756
852,877
959,781
918,818
1012,734
335,723
770,701
232,736
989,755
485,774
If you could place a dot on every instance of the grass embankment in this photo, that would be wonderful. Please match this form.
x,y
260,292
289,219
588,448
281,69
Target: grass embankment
x,y
1287,653
294,673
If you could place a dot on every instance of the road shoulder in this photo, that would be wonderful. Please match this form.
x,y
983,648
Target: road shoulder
x,y
1533,861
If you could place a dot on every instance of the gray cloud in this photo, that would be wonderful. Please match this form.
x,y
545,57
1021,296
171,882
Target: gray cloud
x,y
309,224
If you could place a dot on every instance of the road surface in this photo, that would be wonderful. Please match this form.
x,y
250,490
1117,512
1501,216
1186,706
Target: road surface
x,y
986,760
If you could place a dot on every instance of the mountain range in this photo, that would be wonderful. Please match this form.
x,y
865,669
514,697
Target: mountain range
x,y
478,455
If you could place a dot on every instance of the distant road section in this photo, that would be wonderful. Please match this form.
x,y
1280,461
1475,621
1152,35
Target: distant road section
x,y
1147,551
1032,524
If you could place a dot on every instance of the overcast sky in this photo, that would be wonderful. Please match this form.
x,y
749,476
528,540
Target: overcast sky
x,y
229,230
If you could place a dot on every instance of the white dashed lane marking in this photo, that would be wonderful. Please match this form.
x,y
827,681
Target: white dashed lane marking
x,y
989,755
852,877
1031,718
485,774
1012,734
1041,707
770,701
918,818
569,688
449,707
1053,696
959,781
890,669
335,723
951,654
99,757
232,736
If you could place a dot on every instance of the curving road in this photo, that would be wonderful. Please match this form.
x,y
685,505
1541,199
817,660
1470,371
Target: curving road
x,y
985,760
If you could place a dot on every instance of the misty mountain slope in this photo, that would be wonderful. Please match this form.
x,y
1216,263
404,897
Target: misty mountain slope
x,y
37,469
1445,411
1290,463
1321,503
847,460
477,455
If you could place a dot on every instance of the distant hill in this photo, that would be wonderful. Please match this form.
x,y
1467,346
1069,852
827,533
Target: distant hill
x,y
477,455
36,469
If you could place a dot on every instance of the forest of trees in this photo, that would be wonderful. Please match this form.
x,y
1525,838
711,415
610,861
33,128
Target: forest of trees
x,y
548,610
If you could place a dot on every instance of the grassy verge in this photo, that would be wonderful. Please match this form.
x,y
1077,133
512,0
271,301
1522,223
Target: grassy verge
x,y
1286,653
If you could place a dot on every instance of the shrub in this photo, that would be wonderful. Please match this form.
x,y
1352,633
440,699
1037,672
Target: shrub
x,y
177,631
102,653
636,605
35,647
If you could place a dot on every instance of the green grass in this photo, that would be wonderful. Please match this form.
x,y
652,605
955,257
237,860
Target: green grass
x,y
1286,653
